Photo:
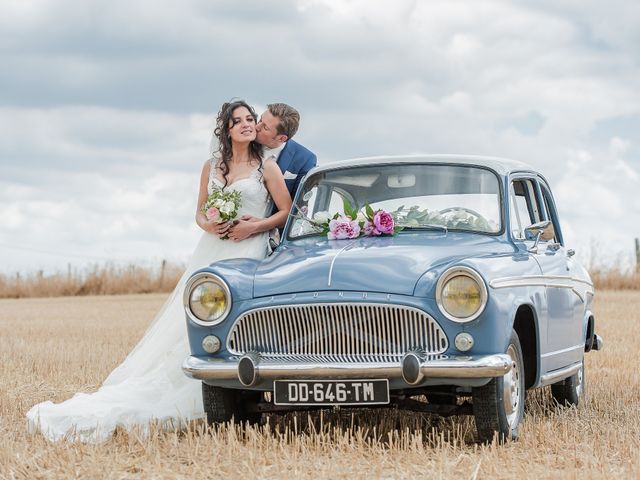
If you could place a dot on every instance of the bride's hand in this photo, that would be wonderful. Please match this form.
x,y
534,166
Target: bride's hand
x,y
242,229
218,229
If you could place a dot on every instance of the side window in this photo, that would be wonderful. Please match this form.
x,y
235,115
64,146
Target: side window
x,y
525,210
324,199
336,204
548,202
319,201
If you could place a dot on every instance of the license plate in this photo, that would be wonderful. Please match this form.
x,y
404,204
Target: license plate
x,y
331,392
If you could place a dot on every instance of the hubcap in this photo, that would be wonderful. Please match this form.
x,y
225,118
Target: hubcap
x,y
579,381
511,388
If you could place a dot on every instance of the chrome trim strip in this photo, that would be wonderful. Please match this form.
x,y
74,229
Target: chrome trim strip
x,y
560,374
564,350
548,281
211,369
333,260
536,281
346,330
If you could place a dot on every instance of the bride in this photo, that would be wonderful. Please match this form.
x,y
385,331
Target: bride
x,y
149,386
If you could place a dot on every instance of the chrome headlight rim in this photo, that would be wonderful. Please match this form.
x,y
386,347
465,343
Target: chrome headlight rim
x,y
192,284
466,272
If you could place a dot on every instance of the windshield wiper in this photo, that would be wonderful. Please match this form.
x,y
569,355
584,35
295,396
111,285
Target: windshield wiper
x,y
425,226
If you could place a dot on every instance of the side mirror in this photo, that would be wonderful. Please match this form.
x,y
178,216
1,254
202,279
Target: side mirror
x,y
543,229
539,231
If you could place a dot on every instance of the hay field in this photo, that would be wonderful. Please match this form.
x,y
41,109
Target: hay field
x,y
51,348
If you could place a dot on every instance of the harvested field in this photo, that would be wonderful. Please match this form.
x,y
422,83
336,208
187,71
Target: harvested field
x,y
53,347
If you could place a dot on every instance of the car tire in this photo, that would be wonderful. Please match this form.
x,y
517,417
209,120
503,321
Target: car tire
x,y
498,406
571,390
224,404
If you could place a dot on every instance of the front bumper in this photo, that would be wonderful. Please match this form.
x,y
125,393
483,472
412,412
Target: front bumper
x,y
250,369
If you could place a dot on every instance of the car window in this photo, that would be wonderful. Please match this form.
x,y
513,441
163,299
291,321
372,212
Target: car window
x,y
321,199
548,202
465,198
525,209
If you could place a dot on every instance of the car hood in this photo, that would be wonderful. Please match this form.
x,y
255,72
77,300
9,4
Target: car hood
x,y
370,264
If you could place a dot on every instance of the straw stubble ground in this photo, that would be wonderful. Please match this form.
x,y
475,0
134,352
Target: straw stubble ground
x,y
51,348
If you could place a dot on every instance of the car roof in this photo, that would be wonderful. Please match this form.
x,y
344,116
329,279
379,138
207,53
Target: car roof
x,y
502,166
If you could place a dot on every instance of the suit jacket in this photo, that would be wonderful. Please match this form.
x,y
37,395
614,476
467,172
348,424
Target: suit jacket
x,y
295,161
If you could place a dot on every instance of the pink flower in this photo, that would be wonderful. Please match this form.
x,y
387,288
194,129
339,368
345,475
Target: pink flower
x,y
370,230
383,222
213,214
343,228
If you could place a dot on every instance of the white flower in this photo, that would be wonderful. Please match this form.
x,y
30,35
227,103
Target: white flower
x,y
361,217
321,217
303,227
228,208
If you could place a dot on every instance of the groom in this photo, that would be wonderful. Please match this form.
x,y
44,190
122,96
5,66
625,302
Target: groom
x,y
275,130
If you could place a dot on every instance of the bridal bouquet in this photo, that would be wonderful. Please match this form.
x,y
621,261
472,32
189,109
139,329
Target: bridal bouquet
x,y
222,206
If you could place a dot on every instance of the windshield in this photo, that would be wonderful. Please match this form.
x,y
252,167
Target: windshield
x,y
420,196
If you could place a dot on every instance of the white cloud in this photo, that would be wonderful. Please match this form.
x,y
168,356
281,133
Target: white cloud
x,y
106,107
98,183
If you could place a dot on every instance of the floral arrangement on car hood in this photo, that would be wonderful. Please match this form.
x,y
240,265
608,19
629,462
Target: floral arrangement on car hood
x,y
353,224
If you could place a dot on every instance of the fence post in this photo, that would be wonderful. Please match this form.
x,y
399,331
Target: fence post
x,y
638,255
161,280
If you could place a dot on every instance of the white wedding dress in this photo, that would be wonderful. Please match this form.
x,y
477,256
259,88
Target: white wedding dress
x,y
149,386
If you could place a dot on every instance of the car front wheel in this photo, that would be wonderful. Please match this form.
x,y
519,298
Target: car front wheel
x,y
498,406
223,404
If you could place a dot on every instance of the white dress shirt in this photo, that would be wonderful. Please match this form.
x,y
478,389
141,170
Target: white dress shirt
x,y
273,152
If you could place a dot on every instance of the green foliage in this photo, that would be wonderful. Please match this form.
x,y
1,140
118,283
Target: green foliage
x,y
349,211
456,218
369,211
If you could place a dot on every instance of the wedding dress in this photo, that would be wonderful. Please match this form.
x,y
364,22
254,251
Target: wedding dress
x,y
149,386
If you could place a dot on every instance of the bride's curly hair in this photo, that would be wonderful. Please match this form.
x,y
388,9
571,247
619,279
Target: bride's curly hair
x,y
224,138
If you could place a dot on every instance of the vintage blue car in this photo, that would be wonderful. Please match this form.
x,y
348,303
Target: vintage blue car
x,y
474,301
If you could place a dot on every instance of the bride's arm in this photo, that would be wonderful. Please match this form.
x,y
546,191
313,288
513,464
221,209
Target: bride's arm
x,y
274,181
219,229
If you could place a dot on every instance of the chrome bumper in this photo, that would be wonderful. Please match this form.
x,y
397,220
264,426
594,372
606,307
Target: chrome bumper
x,y
413,368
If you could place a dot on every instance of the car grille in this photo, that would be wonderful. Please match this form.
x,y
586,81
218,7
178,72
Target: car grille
x,y
349,331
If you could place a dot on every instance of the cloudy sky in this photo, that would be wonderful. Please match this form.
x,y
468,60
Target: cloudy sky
x,y
106,107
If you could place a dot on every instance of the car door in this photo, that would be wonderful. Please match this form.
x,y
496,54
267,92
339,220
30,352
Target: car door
x,y
564,300
527,209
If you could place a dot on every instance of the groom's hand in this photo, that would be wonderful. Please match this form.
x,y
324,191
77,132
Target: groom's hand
x,y
250,218
243,228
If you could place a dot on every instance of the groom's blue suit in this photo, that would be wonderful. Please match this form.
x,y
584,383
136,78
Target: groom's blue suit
x,y
295,161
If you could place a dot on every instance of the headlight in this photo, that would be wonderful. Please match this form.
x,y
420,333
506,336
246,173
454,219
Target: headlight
x,y
208,299
461,294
